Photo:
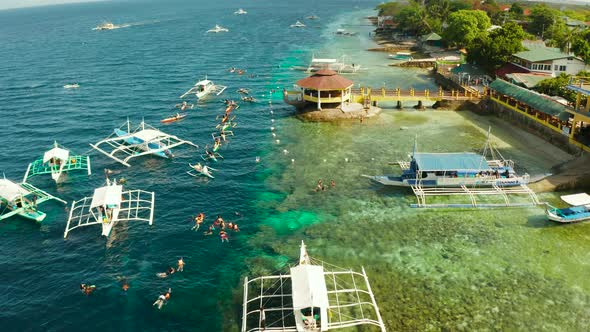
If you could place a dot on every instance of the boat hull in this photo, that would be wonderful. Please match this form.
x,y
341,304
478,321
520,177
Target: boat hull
x,y
35,215
397,181
563,217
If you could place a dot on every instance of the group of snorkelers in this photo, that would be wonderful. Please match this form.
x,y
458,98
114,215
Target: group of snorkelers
x,y
162,298
218,224
321,187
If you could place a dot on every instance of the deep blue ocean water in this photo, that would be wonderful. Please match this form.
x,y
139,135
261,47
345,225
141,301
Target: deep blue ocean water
x,y
138,72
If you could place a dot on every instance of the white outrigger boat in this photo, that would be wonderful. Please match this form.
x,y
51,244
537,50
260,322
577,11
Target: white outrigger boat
x,y
218,29
22,199
240,12
58,162
144,140
298,25
578,211
110,205
310,298
464,169
203,88
199,169
109,26
340,65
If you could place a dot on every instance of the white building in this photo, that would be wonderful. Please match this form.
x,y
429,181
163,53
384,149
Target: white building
x,y
548,60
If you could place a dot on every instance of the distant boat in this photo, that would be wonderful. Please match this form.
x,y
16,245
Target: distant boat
x,y
298,25
312,17
107,26
338,65
240,12
406,56
174,118
203,88
578,211
72,86
343,32
218,29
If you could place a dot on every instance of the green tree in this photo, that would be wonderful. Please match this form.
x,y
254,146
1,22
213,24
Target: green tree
x,y
465,25
557,87
559,35
492,50
458,5
388,9
414,19
542,18
439,9
581,45
516,9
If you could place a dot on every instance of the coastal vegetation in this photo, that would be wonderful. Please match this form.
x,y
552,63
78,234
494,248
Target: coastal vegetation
x,y
468,24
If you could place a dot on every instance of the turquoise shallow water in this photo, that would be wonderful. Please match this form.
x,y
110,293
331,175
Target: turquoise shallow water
x,y
430,269
137,72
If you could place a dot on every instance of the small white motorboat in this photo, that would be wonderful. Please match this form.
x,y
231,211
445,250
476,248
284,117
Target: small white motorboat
x,y
298,25
218,29
106,26
203,88
72,86
199,169
240,12
579,209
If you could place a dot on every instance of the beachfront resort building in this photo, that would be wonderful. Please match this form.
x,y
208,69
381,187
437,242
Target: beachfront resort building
x,y
550,117
325,88
548,60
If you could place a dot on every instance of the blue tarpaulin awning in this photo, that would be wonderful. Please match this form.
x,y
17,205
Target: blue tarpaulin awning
x,y
465,161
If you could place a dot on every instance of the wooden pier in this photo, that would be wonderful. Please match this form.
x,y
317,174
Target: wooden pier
x,y
367,95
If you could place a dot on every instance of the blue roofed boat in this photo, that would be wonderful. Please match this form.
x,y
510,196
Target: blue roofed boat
x,y
578,211
455,170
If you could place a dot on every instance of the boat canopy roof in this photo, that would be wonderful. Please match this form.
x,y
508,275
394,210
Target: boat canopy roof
x,y
148,135
57,153
465,161
309,287
203,82
107,196
10,190
576,199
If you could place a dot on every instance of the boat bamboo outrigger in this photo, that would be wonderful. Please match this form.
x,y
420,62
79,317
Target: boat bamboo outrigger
x,y
126,144
199,169
58,162
464,174
218,29
22,199
309,298
578,211
204,88
298,25
110,205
